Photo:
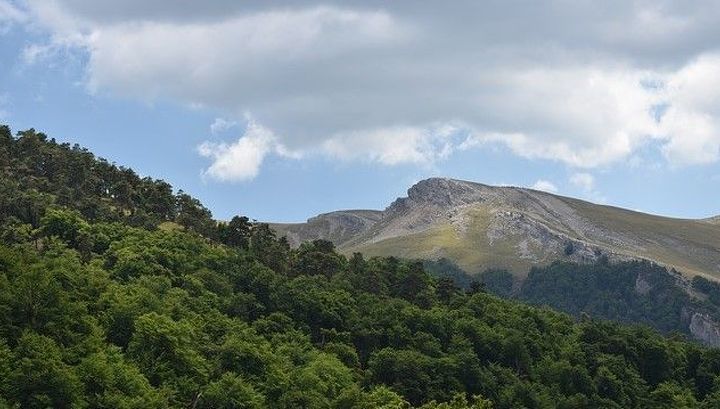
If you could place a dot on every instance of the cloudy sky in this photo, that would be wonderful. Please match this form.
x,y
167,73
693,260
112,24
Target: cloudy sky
x,y
281,110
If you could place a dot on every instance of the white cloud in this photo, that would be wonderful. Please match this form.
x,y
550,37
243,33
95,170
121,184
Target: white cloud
x,y
545,186
242,159
583,116
393,146
361,81
220,125
691,123
584,181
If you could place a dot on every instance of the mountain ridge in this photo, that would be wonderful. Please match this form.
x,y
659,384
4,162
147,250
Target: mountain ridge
x,y
480,226
713,220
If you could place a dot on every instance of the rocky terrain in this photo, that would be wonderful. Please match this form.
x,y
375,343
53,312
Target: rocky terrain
x,y
338,227
714,220
479,226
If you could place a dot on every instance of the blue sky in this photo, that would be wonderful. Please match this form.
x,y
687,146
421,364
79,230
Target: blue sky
x,y
280,112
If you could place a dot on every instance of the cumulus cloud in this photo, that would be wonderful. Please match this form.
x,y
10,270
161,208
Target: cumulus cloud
x,y
393,146
220,125
545,186
242,159
576,82
691,123
582,116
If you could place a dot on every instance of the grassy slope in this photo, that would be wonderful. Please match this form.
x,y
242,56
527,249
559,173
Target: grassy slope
x,y
469,249
692,247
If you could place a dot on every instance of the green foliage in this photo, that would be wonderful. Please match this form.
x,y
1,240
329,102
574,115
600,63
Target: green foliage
x,y
37,173
235,233
230,392
40,378
444,268
710,288
459,401
113,382
498,282
100,309
318,257
632,292
170,319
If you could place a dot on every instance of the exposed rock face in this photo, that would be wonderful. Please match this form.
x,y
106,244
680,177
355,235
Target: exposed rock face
x,y
447,193
337,227
705,329
480,226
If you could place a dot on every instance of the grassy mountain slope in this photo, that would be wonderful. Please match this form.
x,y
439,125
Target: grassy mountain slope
x,y
479,226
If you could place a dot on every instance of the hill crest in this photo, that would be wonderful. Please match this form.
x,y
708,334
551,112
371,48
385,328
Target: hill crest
x,y
480,226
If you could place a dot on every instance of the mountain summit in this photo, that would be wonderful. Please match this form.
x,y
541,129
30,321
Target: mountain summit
x,y
480,226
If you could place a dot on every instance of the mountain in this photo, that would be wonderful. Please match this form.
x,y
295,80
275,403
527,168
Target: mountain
x,y
338,227
713,220
479,227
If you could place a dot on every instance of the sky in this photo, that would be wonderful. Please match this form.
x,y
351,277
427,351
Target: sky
x,y
280,110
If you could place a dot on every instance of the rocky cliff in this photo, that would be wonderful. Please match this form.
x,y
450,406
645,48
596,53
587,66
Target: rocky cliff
x,y
705,329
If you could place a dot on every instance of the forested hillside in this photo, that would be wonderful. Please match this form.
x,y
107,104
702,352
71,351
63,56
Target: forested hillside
x,y
38,173
630,292
100,308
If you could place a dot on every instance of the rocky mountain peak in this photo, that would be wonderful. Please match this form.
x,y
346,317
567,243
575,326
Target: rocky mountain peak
x,y
430,199
445,192
480,226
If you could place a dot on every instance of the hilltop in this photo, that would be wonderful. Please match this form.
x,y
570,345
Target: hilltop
x,y
479,226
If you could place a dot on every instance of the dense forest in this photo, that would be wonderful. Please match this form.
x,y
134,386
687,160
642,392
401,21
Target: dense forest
x,y
117,292
629,291
38,173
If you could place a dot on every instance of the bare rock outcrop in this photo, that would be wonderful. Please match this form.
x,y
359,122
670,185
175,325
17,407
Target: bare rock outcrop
x,y
337,227
705,329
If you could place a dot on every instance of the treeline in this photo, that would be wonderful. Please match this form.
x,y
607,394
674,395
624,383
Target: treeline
x,y
711,289
37,173
101,312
